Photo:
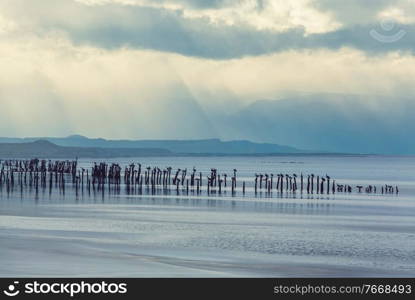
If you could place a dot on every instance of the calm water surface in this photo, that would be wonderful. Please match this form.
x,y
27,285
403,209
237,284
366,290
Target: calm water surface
x,y
170,235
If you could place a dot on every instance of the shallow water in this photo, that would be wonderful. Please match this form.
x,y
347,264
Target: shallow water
x,y
186,235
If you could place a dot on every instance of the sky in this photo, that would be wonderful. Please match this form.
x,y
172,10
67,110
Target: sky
x,y
186,69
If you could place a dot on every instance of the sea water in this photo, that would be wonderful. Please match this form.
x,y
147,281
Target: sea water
x,y
219,235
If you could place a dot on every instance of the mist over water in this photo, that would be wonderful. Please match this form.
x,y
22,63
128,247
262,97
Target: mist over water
x,y
180,234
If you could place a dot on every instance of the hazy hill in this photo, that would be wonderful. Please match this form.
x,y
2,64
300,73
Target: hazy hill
x,y
329,122
46,149
208,146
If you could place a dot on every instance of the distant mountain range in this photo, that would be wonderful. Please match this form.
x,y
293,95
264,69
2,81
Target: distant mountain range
x,y
80,146
46,149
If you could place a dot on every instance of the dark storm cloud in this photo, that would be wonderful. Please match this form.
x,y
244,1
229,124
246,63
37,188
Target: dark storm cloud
x,y
190,37
196,38
203,3
115,26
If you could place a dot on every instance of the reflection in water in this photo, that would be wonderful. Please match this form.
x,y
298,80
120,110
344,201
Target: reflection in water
x,y
128,231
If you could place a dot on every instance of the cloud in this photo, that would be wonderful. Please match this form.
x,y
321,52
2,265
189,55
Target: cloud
x,y
6,25
211,31
356,12
56,88
146,94
353,12
332,122
177,69
346,71
275,15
